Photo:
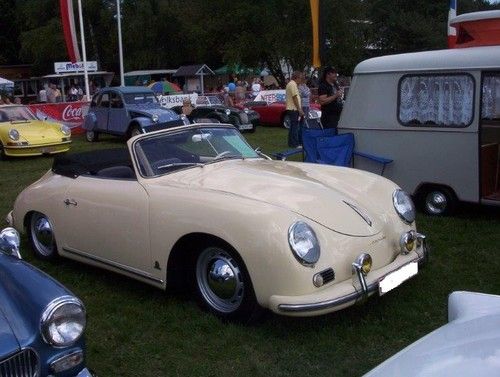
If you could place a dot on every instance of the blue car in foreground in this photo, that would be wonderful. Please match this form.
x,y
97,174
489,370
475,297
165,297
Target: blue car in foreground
x,y
41,322
127,111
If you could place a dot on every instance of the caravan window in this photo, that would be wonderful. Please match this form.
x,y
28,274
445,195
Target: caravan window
x,y
436,100
490,106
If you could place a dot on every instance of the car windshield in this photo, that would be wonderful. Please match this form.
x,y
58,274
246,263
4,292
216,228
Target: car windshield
x,y
16,113
161,154
140,98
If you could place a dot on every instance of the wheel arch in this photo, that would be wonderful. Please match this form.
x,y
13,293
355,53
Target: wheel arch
x,y
425,187
183,252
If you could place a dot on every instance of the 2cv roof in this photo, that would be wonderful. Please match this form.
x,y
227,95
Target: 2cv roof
x,y
485,57
127,89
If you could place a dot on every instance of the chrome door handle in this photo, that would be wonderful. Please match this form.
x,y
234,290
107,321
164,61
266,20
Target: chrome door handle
x,y
70,202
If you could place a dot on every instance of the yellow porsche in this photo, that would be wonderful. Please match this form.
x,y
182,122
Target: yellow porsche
x,y
23,134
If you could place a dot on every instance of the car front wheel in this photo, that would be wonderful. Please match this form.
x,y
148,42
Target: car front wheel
x,y
286,121
41,236
91,136
223,285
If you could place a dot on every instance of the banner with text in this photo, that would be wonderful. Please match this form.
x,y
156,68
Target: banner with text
x,y
69,113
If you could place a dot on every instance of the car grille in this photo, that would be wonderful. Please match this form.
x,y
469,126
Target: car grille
x,y
22,364
328,275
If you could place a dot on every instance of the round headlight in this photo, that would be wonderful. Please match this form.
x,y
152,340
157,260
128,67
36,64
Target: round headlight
x,y
404,205
13,134
303,242
228,112
155,118
65,130
63,321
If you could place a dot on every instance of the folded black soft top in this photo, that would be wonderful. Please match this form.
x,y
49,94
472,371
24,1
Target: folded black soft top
x,y
74,164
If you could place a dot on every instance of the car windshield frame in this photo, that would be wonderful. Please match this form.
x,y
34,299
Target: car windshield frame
x,y
188,147
16,114
140,98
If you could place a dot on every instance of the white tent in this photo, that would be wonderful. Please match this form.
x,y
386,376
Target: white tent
x,y
5,83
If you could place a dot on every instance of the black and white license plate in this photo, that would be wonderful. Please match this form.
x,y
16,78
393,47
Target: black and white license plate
x,y
395,278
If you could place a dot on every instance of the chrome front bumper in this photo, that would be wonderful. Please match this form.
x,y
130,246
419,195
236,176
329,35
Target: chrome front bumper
x,y
361,288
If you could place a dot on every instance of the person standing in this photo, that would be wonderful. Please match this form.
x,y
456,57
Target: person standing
x,y
294,109
330,97
305,95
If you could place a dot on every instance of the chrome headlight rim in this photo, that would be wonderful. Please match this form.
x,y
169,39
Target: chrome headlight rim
x,y
66,131
403,205
155,118
227,111
47,319
311,257
13,134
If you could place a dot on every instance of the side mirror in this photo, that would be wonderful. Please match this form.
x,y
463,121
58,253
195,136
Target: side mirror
x,y
9,242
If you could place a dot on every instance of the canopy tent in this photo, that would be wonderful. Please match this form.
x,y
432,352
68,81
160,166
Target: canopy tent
x,y
4,83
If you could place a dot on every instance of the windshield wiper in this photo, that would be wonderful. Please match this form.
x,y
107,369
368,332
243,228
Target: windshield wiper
x,y
179,164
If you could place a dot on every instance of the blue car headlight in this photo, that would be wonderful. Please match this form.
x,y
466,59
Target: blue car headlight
x,y
155,118
403,206
63,321
303,243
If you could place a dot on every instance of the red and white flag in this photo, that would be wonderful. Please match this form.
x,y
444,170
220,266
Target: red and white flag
x,y
68,23
452,32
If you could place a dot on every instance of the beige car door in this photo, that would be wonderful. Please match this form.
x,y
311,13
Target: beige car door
x,y
107,221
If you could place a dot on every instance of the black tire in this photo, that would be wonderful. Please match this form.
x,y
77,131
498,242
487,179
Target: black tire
x,y
438,201
92,136
41,236
3,156
223,286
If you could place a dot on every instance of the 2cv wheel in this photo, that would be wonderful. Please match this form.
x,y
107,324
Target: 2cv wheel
x,y
91,136
41,236
223,285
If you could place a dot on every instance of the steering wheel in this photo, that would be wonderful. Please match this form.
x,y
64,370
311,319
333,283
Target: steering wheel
x,y
222,154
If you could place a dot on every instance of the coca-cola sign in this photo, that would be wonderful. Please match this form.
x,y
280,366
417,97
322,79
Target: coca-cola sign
x,y
72,113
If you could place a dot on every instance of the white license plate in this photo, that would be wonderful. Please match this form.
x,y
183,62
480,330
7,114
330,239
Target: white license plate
x,y
246,126
397,277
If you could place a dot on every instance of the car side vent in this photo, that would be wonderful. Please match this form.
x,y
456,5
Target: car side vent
x,y
328,275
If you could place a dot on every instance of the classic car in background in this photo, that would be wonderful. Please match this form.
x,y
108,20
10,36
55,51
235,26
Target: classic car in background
x,y
23,134
212,108
41,322
468,345
274,113
127,111
199,206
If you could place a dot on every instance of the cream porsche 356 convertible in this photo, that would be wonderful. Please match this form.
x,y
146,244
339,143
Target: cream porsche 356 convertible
x,y
197,206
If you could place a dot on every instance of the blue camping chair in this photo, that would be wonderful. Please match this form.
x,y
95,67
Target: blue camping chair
x,y
323,146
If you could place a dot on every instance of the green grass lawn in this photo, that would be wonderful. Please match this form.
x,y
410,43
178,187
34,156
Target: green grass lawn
x,y
136,330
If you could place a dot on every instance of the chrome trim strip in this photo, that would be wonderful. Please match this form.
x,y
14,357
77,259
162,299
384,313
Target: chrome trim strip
x,y
354,296
116,265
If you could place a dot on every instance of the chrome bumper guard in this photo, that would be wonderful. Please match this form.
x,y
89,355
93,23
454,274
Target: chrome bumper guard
x,y
360,294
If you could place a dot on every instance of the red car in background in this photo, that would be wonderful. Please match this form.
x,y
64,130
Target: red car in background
x,y
271,106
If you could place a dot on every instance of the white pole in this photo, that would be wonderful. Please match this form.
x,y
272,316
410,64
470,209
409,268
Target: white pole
x,y
84,51
119,19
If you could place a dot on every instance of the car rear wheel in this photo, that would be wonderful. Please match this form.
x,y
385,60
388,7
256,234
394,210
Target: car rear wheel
x,y
438,201
41,235
223,285
91,136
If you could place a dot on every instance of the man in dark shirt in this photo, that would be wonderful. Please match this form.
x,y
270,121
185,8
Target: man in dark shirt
x,y
330,98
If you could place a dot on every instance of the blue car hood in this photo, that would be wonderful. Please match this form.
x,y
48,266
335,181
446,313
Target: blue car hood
x,y
8,342
148,109
25,292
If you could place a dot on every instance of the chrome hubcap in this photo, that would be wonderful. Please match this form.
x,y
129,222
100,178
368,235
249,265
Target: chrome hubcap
x,y
286,122
220,280
42,235
436,202
90,135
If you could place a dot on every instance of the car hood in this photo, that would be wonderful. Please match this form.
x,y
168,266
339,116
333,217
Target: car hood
x,y
8,342
461,348
35,131
313,191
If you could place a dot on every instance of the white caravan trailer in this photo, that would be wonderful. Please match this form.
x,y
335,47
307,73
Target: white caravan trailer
x,y
437,115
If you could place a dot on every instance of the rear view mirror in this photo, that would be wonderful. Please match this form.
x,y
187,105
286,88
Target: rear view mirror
x,y
9,242
199,137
